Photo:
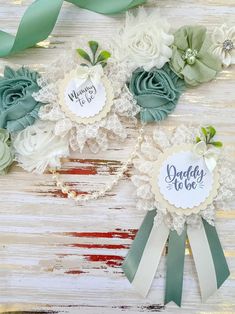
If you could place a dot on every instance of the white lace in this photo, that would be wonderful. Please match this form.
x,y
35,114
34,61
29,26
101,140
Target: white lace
x,y
98,134
144,164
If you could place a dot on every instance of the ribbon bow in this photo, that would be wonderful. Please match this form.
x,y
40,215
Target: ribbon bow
x,y
93,73
210,155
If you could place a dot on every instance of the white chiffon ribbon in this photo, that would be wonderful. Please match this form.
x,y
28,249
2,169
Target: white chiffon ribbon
x,y
203,261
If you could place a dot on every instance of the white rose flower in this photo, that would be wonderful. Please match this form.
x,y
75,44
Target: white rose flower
x,y
223,46
37,147
145,40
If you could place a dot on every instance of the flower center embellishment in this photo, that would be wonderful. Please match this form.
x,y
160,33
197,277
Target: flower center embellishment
x,y
190,56
228,45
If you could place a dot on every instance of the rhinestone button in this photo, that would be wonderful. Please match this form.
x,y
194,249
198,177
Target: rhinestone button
x,y
228,45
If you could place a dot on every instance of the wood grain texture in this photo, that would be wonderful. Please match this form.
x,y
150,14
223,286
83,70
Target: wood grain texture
x,y
59,257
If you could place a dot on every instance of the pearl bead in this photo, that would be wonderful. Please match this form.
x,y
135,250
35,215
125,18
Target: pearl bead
x,y
71,194
108,187
65,189
124,167
95,195
190,56
191,60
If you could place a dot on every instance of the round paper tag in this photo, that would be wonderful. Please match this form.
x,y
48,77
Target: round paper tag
x,y
83,100
182,181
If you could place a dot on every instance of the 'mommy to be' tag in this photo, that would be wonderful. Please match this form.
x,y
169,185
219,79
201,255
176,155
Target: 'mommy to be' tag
x,y
84,100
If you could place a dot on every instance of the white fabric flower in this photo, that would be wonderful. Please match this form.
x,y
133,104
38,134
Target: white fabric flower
x,y
145,40
223,46
37,147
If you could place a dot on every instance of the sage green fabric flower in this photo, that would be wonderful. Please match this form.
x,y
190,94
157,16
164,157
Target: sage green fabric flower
x,y
18,108
157,92
192,58
6,156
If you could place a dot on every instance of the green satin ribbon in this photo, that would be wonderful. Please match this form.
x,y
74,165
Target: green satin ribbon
x,y
175,257
220,264
39,20
175,267
132,260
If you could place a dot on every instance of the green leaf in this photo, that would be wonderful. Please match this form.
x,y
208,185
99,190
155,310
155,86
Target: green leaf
x,y
211,130
217,144
204,131
83,54
103,63
103,56
93,46
84,65
198,139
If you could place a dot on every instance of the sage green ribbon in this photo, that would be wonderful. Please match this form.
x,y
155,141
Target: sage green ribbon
x,y
132,260
175,267
39,20
208,255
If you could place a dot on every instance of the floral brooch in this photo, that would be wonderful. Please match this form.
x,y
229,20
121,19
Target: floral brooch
x,y
182,177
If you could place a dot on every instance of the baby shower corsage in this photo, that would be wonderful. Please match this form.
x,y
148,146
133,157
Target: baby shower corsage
x,y
182,177
84,100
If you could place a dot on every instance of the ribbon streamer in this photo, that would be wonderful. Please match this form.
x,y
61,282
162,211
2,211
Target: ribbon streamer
x,y
144,255
175,267
39,20
150,259
203,261
220,264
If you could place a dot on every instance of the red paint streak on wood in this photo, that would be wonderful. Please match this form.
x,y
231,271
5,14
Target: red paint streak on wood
x,y
96,161
109,260
125,234
100,246
75,272
79,171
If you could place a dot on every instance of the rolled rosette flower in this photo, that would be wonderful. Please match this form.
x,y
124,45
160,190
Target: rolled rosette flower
x,y
18,108
156,92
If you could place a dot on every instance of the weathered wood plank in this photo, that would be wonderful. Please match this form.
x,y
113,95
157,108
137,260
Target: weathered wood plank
x,y
59,257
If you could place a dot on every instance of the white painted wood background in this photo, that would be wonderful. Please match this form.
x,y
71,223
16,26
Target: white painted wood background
x,y
59,257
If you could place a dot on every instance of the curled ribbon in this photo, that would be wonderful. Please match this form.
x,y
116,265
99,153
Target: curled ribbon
x,y
39,20
210,155
143,258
